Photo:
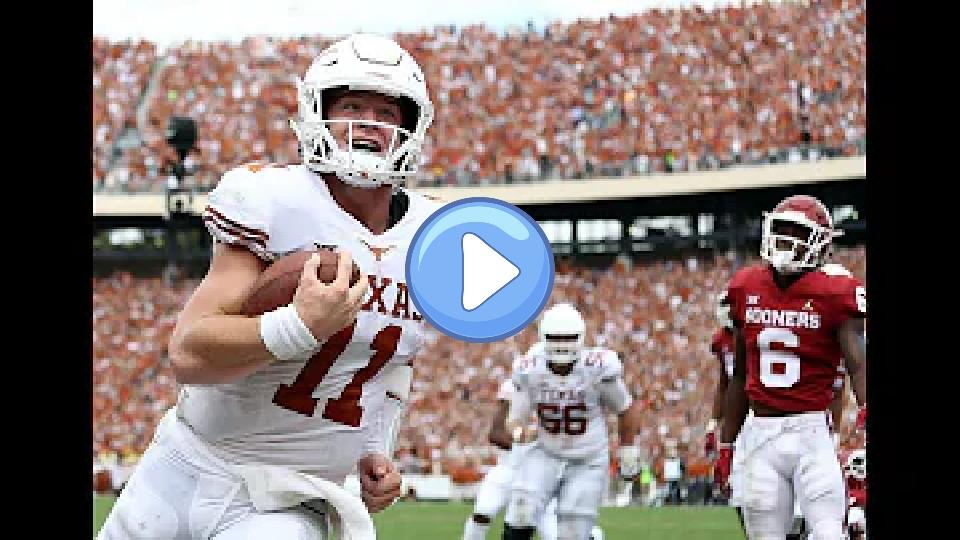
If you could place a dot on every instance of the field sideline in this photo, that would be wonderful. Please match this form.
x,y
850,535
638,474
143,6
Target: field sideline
x,y
444,521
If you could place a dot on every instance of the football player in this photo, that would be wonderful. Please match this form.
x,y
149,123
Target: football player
x,y
722,347
494,491
568,386
794,318
275,410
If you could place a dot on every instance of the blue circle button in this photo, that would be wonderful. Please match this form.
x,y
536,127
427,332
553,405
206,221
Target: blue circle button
x,y
479,269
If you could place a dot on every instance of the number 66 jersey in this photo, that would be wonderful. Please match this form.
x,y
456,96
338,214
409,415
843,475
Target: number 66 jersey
x,y
569,408
790,334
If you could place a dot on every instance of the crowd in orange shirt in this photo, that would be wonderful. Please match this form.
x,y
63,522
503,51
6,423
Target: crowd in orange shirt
x,y
659,91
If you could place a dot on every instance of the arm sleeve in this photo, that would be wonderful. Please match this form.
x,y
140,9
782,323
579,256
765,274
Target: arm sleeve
x,y
519,408
852,300
611,388
735,299
238,212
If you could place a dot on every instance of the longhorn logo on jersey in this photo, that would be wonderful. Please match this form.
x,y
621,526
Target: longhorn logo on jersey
x,y
378,251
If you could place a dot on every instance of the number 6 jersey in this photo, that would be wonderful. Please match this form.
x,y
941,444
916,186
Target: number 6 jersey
x,y
319,413
791,334
569,408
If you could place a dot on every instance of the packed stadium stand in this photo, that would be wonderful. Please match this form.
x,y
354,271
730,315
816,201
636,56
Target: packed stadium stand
x,y
659,91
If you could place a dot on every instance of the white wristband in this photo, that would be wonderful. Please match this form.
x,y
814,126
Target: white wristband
x,y
285,334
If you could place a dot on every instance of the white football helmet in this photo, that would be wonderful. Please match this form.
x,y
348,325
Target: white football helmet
x,y
723,311
856,465
812,215
562,332
363,62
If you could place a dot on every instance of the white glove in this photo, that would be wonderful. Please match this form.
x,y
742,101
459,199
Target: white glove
x,y
629,457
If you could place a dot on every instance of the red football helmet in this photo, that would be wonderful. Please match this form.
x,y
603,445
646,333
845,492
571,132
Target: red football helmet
x,y
797,234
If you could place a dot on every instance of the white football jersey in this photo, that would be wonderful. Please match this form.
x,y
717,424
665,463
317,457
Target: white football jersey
x,y
569,408
316,413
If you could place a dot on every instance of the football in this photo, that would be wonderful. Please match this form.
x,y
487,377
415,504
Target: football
x,y
277,284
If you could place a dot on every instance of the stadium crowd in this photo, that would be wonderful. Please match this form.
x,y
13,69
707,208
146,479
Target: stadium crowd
x,y
658,316
120,75
659,91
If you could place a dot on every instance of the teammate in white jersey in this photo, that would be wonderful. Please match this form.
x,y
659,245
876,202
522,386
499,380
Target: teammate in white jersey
x,y
568,386
276,410
494,491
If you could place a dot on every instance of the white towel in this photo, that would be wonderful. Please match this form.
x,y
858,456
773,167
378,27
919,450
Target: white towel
x,y
275,488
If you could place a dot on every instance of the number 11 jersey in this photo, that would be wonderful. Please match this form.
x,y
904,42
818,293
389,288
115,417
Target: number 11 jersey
x,y
319,413
791,334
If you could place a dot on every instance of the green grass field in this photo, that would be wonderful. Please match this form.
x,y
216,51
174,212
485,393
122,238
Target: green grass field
x,y
444,521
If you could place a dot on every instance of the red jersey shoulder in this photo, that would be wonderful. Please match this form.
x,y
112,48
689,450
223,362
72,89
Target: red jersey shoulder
x,y
749,276
834,279
743,283
844,293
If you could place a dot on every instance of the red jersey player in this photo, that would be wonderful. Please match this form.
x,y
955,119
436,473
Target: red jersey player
x,y
795,318
722,346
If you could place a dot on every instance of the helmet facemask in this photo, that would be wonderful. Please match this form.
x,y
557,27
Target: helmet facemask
x,y
359,162
792,243
563,349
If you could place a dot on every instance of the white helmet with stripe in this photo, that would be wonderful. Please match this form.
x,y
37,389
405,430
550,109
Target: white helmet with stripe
x,y
363,62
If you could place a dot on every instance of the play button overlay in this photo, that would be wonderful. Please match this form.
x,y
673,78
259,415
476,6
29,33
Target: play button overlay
x,y
479,269
484,271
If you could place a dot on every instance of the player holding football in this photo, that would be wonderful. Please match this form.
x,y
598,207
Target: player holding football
x,y
568,386
795,317
276,410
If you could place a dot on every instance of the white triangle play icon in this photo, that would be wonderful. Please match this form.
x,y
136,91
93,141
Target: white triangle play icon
x,y
484,271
